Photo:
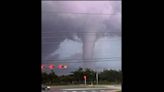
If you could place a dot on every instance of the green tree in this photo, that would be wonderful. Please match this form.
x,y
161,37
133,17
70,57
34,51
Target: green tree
x,y
53,78
44,78
78,75
90,75
110,76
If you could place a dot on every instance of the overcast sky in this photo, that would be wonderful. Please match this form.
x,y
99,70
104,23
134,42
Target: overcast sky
x,y
67,26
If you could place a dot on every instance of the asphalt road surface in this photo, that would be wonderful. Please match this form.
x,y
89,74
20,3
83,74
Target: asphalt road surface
x,y
81,90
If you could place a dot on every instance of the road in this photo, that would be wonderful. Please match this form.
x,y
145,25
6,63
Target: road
x,y
82,90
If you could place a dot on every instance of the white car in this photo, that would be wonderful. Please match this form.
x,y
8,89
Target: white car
x,y
44,87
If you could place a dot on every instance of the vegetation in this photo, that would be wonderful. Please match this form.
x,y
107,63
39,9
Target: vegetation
x,y
77,77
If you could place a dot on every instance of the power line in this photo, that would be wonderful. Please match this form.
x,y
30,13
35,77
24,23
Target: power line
x,y
80,32
88,61
78,37
82,13
94,68
91,0
65,36
69,43
85,59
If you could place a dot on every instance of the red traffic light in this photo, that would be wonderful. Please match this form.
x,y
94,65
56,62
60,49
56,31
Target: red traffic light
x,y
62,66
42,66
85,77
51,66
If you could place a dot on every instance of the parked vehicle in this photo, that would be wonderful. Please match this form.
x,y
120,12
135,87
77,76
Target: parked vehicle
x,y
45,87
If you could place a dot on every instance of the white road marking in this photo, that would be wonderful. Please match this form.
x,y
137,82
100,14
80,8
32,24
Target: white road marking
x,y
83,91
102,90
73,91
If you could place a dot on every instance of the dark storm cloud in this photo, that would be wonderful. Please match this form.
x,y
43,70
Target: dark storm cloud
x,y
55,21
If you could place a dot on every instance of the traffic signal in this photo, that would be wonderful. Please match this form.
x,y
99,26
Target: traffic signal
x,y
61,66
42,66
65,66
85,77
51,66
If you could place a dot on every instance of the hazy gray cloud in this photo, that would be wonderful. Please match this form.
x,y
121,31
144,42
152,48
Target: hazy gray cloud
x,y
68,48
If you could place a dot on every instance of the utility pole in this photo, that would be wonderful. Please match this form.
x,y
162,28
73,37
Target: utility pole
x,y
85,79
97,77
85,82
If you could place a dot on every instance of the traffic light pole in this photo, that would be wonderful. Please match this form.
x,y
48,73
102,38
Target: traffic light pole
x,y
85,82
97,77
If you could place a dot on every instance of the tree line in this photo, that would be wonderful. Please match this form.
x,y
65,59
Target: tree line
x,y
77,77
